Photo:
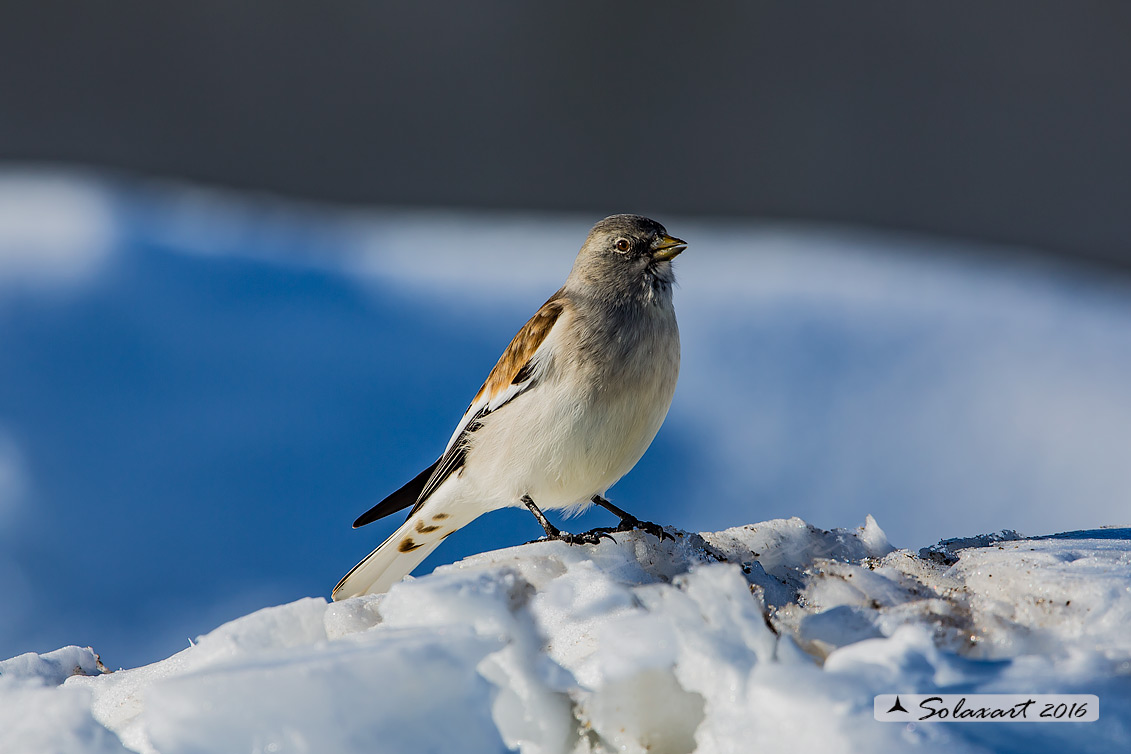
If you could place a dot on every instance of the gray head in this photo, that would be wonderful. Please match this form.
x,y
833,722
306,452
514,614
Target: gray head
x,y
627,254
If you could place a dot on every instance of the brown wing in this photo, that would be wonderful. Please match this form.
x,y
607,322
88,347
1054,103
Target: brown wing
x,y
509,369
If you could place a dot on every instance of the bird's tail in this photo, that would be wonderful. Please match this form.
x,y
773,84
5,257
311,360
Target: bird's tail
x,y
395,558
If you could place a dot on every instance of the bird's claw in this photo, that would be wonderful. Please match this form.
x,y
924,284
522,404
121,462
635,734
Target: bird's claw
x,y
585,538
657,531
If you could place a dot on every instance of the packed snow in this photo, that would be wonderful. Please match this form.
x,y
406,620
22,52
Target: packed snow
x,y
767,637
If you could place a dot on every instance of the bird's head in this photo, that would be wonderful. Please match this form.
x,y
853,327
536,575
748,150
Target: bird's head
x,y
628,250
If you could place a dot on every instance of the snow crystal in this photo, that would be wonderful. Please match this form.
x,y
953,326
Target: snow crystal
x,y
53,667
36,719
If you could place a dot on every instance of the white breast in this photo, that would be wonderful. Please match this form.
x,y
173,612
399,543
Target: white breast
x,y
587,422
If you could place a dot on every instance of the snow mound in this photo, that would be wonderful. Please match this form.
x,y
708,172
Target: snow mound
x,y
754,638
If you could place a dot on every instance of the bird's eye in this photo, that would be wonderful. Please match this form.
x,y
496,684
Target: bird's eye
x,y
621,244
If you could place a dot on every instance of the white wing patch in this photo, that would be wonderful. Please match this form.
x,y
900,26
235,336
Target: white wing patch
x,y
520,368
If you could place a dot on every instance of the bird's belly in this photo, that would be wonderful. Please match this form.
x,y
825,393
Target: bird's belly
x,y
562,451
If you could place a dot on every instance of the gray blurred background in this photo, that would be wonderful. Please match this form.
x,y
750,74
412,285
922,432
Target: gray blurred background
x,y
1005,121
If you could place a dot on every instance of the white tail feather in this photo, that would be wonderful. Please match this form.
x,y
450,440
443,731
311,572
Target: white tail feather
x,y
393,560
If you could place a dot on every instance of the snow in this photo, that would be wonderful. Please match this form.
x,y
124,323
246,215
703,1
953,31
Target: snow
x,y
54,228
765,637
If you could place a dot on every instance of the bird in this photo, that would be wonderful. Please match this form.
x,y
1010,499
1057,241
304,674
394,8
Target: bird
x,y
569,408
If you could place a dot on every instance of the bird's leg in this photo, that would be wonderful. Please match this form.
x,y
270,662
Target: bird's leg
x,y
554,533
628,522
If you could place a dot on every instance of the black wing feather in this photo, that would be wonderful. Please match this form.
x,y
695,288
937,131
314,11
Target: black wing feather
x,y
399,500
428,481
452,460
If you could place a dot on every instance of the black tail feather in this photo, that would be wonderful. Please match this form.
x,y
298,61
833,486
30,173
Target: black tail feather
x,y
403,498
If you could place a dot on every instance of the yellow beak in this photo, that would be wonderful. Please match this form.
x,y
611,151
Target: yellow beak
x,y
667,247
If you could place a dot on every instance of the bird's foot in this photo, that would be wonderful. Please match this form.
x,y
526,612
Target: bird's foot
x,y
585,538
592,537
630,523
553,533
